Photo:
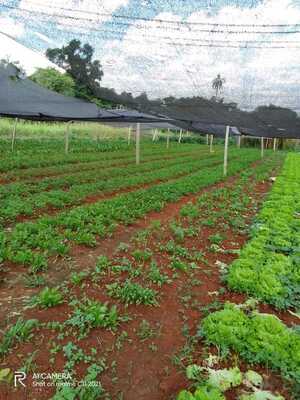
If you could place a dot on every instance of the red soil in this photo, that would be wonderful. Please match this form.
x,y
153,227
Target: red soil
x,y
142,372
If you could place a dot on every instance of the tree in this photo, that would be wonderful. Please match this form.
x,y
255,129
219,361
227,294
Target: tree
x,y
77,60
275,115
5,62
217,84
52,79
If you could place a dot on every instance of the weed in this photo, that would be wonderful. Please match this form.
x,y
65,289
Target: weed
x,y
141,255
132,293
78,277
156,276
145,331
32,281
217,238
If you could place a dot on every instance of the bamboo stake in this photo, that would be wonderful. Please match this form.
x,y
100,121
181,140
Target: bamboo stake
x,y
262,147
180,136
14,132
67,137
211,143
168,138
129,135
137,143
274,144
226,150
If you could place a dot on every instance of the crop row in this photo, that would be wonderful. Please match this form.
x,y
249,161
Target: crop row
x,y
32,242
258,338
19,205
34,174
90,173
43,144
39,160
133,275
268,267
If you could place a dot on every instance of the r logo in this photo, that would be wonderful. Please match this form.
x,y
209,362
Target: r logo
x,y
19,377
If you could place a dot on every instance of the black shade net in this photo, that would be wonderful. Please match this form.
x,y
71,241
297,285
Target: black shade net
x,y
22,98
201,115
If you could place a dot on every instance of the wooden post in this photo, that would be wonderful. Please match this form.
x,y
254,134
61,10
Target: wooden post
x,y
129,135
226,150
14,132
239,141
137,143
207,139
67,137
168,138
153,135
180,136
262,147
274,144
211,143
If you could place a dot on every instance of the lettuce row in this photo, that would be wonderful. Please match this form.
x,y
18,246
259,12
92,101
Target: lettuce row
x,y
268,267
258,338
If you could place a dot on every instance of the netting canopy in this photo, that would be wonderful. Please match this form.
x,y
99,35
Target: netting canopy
x,y
20,97
203,64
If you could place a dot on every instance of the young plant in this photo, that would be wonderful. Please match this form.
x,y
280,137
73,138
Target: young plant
x,y
93,314
132,293
48,297
19,332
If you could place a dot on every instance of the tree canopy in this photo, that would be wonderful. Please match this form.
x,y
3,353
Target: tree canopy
x,y
77,60
52,79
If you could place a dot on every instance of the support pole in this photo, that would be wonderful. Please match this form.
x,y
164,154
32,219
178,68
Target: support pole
x,y
67,137
14,132
168,138
226,150
274,144
262,147
153,135
180,136
207,139
239,141
137,143
211,143
129,135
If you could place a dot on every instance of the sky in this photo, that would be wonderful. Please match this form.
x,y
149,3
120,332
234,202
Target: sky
x,y
169,47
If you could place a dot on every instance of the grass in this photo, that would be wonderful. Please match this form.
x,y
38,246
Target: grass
x,y
51,135
56,130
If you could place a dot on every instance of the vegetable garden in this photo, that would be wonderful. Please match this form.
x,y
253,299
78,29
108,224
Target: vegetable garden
x,y
159,281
